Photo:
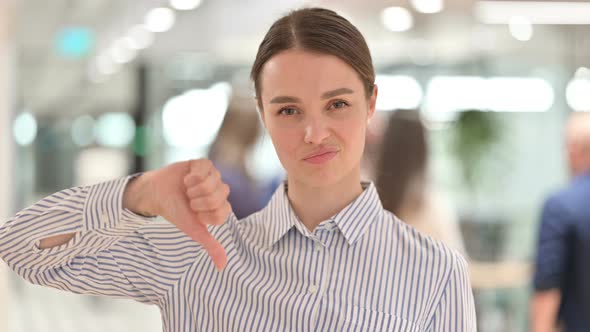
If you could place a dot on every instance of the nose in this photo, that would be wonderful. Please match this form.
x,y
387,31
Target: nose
x,y
316,131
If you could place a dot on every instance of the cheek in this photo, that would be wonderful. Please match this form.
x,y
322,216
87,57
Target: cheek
x,y
353,131
284,140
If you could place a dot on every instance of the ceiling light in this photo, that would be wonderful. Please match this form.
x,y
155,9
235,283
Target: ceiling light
x,y
160,19
139,37
24,129
121,53
537,12
398,92
578,94
185,4
397,19
521,28
428,6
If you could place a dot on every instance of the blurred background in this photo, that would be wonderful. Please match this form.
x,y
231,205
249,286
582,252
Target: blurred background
x,y
98,89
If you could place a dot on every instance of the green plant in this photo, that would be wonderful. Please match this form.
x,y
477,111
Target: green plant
x,y
475,134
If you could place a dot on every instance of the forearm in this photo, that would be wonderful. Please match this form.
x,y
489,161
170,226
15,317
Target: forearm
x,y
55,241
544,310
133,199
85,240
55,220
50,222
137,196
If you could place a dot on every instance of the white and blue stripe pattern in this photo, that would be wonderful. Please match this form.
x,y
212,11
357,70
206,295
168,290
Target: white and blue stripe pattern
x,y
362,270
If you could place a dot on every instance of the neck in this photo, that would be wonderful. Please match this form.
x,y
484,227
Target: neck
x,y
314,204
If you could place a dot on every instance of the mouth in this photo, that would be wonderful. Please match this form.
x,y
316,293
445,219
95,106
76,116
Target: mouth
x,y
321,156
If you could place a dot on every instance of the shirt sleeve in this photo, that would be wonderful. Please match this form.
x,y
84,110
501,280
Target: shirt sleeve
x,y
456,309
114,252
552,246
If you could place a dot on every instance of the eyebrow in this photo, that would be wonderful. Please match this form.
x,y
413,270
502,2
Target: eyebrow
x,y
325,95
336,92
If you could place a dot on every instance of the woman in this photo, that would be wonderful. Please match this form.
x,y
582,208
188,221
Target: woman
x,y
322,256
402,184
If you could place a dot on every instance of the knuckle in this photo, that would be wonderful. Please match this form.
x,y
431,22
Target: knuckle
x,y
191,192
207,189
199,177
187,180
202,165
193,179
210,201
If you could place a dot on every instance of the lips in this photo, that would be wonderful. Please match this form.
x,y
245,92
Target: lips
x,y
321,152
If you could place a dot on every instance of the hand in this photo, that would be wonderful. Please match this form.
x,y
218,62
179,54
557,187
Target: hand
x,y
190,195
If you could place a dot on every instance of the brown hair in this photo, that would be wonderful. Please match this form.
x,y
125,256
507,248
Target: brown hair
x,y
402,161
317,30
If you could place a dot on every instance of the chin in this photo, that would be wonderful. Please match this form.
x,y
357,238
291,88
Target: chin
x,y
324,178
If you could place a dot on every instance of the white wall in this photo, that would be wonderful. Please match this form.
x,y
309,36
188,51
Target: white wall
x,y
7,91
7,88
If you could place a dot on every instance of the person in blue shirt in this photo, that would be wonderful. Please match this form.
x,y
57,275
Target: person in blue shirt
x,y
562,273
323,255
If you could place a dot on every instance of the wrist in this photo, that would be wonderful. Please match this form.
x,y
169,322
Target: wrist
x,y
136,197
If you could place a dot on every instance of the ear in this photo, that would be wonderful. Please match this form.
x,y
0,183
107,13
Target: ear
x,y
372,102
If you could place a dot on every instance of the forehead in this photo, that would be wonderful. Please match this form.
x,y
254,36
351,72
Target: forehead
x,y
298,72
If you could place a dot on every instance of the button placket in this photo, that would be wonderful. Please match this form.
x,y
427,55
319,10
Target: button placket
x,y
318,247
104,218
317,286
313,289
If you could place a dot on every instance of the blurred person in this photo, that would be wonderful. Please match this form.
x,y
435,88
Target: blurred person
x,y
561,289
229,152
322,256
402,180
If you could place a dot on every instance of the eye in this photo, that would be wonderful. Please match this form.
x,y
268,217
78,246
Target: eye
x,y
288,111
338,104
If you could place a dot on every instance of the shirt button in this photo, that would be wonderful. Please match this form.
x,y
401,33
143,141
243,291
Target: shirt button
x,y
313,289
318,247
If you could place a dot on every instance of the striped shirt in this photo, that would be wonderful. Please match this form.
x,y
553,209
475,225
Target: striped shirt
x,y
361,270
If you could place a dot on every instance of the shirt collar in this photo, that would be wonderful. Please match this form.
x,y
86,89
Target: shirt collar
x,y
353,221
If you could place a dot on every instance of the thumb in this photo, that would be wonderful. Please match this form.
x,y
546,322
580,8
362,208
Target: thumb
x,y
189,224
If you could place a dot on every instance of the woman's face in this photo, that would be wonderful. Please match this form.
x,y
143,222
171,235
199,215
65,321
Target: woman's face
x,y
316,112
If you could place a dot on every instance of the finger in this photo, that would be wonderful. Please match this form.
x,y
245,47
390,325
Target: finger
x,y
198,171
191,180
216,217
211,202
188,224
200,167
201,234
206,187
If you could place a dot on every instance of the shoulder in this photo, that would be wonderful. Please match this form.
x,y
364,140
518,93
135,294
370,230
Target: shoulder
x,y
569,204
434,255
575,195
255,228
